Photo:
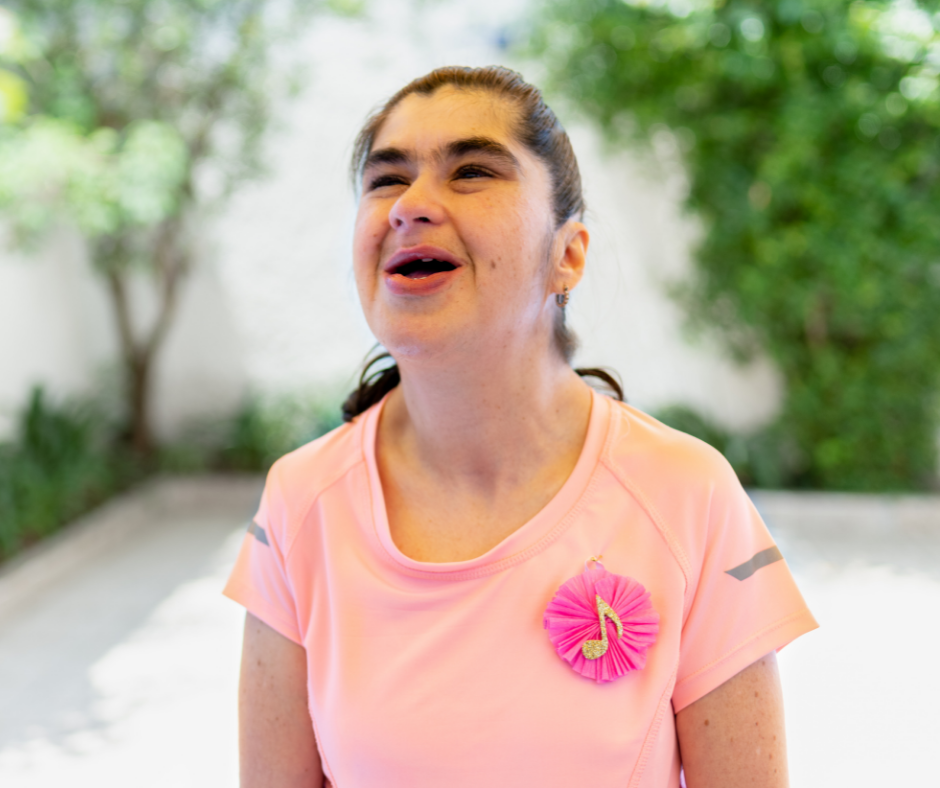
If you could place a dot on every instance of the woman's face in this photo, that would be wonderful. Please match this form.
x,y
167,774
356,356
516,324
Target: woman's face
x,y
455,246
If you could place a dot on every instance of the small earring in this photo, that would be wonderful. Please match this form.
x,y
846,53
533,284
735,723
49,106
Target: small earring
x,y
562,298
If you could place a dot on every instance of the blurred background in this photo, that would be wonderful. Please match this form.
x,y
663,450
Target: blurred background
x,y
176,295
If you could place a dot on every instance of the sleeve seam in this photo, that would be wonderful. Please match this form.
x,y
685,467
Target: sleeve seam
x,y
297,524
297,527
672,541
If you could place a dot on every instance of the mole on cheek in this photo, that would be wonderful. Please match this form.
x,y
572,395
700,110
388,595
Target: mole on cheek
x,y
706,722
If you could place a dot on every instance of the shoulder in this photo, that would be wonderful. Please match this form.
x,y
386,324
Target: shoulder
x,y
662,459
313,467
687,488
298,479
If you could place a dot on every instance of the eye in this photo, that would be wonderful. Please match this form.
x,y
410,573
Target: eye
x,y
472,171
386,180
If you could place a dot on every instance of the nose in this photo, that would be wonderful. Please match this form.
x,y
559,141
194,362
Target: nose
x,y
418,205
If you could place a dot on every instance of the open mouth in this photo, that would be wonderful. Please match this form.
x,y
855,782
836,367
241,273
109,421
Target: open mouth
x,y
423,268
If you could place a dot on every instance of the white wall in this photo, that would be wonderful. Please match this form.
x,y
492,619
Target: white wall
x,y
273,307
53,328
56,329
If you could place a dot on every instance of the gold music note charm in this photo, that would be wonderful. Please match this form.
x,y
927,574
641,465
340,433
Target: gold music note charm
x,y
593,649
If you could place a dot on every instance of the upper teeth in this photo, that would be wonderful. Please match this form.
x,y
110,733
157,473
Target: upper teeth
x,y
427,259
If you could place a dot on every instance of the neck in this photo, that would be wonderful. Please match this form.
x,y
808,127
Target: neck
x,y
489,422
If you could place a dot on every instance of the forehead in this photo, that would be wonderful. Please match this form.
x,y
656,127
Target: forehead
x,y
422,122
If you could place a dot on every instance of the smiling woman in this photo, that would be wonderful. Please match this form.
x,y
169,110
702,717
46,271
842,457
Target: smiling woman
x,y
492,574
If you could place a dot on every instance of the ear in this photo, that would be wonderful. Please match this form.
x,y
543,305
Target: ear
x,y
571,245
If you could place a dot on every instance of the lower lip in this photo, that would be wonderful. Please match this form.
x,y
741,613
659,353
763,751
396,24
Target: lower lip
x,y
402,285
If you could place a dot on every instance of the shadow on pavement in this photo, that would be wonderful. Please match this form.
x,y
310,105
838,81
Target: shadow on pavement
x,y
49,645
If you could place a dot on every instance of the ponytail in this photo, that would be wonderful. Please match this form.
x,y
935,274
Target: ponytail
x,y
376,383
610,380
373,385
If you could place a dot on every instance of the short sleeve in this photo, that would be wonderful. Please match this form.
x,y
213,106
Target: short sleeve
x,y
260,581
744,601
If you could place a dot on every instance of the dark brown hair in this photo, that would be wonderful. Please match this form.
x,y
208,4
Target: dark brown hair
x,y
540,131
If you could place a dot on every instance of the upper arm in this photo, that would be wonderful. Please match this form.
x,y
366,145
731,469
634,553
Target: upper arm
x,y
277,746
734,736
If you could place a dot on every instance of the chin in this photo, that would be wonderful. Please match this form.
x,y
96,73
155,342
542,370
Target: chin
x,y
423,344
413,350
430,333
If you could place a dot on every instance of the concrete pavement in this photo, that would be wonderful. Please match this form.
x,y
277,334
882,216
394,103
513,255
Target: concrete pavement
x,y
120,667
863,691
119,656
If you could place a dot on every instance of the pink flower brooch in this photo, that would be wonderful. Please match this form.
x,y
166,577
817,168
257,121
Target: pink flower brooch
x,y
602,624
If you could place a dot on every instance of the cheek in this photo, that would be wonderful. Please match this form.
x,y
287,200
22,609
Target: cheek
x,y
527,248
367,239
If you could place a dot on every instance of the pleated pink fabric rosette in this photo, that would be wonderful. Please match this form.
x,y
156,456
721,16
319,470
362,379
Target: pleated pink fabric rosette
x,y
594,599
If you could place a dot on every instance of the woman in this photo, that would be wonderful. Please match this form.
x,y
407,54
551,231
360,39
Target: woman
x,y
493,575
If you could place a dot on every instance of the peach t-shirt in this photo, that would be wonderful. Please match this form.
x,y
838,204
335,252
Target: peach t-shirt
x,y
423,674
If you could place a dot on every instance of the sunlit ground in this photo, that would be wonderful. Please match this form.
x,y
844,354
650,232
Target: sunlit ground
x,y
125,672
164,711
862,691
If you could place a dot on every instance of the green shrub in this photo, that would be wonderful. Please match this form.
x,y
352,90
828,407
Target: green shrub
x,y
68,458
267,429
264,429
810,131
62,463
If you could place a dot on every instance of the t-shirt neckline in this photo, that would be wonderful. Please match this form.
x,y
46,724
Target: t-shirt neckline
x,y
528,540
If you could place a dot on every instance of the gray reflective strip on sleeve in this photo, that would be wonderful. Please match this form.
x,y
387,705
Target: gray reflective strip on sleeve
x,y
769,556
258,532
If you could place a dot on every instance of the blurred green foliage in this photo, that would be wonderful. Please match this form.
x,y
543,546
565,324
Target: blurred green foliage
x,y
264,429
62,463
65,458
810,130
119,101
129,120
101,182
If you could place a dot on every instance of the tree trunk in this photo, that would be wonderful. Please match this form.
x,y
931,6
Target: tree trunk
x,y
170,264
135,367
138,383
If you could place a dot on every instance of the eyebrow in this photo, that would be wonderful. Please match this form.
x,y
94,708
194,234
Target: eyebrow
x,y
453,150
485,145
385,156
